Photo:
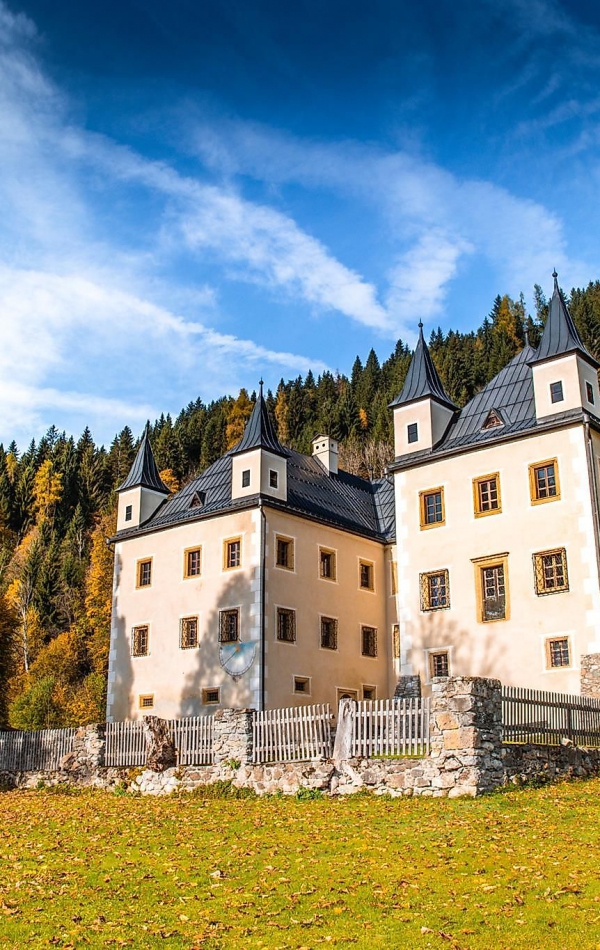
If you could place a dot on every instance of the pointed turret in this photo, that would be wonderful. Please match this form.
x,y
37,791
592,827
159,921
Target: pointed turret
x,y
560,334
259,464
142,491
422,379
564,373
422,411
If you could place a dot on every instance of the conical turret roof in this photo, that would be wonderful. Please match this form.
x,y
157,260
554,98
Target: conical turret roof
x,y
259,432
422,379
560,334
144,472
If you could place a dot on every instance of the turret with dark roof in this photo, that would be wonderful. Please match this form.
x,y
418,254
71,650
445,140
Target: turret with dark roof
x,y
560,334
422,380
144,472
259,432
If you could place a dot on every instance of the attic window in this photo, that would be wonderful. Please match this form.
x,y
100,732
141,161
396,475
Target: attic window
x,y
493,420
197,499
556,392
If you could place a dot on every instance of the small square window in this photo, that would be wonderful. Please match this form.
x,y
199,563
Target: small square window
x,y
128,512
368,641
435,590
192,562
551,571
329,633
302,685
347,694
543,479
188,633
211,696
246,478
556,392
589,391
327,567
412,432
229,625
273,478
369,692
147,701
366,575
284,553
286,625
557,652
233,554
396,641
439,664
139,641
144,573
432,507
486,495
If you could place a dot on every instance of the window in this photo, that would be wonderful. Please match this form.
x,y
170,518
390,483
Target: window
x,y
129,508
543,482
192,562
550,568
302,685
435,590
366,575
492,588
246,478
232,554
396,641
139,641
144,573
188,633
229,625
556,392
589,391
147,701
412,431
368,637
347,694
394,577
369,692
557,652
273,478
327,564
439,663
492,420
284,553
432,507
486,495
211,696
286,625
329,632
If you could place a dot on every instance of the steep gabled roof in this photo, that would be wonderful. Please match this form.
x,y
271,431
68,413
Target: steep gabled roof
x,y
560,334
143,472
422,379
259,432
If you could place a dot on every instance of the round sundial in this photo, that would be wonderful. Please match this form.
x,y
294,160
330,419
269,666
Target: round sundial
x,y
236,658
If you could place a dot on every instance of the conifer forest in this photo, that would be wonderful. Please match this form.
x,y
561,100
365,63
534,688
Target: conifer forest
x,y
58,502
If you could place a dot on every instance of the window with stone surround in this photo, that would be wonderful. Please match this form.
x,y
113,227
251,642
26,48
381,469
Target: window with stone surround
x,y
188,633
229,625
435,590
431,507
284,552
327,564
486,495
329,633
144,572
146,701
192,562
558,653
544,485
286,625
368,637
550,569
211,696
140,640
439,663
232,553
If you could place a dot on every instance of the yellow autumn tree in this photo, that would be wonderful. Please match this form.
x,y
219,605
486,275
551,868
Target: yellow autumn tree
x,y
168,478
20,593
47,491
363,418
237,418
98,593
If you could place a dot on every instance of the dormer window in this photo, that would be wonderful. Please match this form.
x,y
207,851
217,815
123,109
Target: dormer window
x,y
589,391
197,499
413,432
273,479
246,478
556,392
492,420
129,508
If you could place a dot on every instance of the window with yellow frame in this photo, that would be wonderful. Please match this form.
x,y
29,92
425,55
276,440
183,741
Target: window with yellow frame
x,y
486,495
544,484
491,588
431,508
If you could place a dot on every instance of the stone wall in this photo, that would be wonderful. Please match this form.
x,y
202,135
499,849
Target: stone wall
x,y
590,675
466,757
408,687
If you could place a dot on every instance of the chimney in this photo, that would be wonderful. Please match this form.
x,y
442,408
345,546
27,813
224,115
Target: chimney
x,y
325,449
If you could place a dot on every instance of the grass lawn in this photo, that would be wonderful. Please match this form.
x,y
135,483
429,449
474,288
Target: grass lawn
x,y
96,869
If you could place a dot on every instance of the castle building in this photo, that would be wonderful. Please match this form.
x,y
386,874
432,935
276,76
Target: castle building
x,y
275,579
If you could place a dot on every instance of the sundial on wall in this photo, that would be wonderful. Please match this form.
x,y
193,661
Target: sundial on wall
x,y
236,658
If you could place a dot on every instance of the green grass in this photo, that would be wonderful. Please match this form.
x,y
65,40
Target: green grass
x,y
514,870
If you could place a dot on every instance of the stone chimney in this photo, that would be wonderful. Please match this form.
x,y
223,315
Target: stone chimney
x,y
325,449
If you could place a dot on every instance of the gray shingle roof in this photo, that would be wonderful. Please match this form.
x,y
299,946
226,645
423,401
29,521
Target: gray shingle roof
x,y
259,432
144,472
422,379
560,334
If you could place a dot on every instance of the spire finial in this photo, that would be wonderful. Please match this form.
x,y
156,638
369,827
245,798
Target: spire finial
x,y
420,324
554,274
261,384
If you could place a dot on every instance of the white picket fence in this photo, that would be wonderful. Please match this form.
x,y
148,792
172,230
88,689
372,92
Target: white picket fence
x,y
391,727
33,751
126,744
294,734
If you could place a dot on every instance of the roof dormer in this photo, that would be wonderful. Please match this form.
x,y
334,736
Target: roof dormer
x,y
259,464
143,490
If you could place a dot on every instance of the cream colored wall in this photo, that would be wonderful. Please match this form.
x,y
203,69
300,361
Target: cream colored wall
x,y
573,372
175,676
144,503
512,650
310,596
259,463
432,420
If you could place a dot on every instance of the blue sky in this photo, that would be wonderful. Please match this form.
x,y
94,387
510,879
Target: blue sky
x,y
195,194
